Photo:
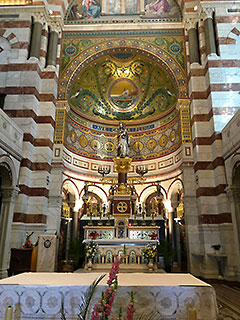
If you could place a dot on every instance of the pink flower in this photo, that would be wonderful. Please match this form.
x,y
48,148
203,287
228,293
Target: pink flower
x,y
102,309
95,314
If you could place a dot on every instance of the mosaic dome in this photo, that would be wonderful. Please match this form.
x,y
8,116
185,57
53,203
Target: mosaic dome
x,y
123,86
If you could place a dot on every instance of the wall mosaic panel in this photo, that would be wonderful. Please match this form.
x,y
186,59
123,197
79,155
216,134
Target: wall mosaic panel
x,y
102,145
129,89
93,78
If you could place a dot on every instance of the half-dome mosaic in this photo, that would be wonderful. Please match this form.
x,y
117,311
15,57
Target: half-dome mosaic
x,y
123,88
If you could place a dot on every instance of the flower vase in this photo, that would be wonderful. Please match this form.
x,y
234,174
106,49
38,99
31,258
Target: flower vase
x,y
150,265
89,264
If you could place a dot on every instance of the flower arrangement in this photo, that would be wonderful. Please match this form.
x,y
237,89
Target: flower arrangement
x,y
28,243
153,236
102,309
91,249
93,235
149,252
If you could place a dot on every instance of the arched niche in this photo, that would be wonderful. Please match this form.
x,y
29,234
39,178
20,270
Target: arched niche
x,y
8,195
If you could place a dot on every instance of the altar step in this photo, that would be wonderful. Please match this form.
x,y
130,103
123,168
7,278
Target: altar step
x,y
129,268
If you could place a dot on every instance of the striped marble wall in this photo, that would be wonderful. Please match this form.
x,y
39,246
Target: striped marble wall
x,y
31,90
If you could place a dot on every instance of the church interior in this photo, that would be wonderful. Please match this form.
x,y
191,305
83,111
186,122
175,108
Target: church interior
x,y
119,138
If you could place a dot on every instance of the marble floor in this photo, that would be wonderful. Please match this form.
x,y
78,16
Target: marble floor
x,y
228,297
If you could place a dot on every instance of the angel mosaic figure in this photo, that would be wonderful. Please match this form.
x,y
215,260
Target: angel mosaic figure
x,y
123,141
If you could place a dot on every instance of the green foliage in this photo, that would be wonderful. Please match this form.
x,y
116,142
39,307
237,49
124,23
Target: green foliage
x,y
165,249
76,250
85,300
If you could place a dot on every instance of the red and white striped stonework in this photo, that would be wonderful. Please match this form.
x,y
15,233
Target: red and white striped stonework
x,y
31,92
214,87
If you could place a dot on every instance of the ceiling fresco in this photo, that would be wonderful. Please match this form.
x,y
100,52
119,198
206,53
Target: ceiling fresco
x,y
123,87
105,11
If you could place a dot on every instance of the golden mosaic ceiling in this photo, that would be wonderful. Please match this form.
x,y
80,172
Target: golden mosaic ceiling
x,y
123,86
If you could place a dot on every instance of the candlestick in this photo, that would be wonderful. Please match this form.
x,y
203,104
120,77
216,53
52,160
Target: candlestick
x,y
9,313
192,313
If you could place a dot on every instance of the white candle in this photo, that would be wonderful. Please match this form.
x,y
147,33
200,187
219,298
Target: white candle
x,y
8,314
192,314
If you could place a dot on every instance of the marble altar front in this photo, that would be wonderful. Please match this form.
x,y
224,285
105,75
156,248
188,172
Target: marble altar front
x,y
40,295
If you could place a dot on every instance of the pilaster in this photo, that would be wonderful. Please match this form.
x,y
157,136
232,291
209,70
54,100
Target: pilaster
x,y
9,196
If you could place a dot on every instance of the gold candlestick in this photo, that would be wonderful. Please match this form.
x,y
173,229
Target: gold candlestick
x,y
8,313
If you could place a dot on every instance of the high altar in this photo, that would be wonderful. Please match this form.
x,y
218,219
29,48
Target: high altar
x,y
122,228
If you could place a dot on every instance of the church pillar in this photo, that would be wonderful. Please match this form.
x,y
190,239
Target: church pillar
x,y
9,196
36,36
193,45
209,32
233,194
55,200
52,48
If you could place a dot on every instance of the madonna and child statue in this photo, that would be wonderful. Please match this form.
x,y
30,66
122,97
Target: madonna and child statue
x,y
123,141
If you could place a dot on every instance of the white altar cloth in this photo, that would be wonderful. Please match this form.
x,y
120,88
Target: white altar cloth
x,y
40,295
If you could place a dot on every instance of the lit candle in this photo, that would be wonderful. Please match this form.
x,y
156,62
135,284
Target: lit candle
x,y
8,314
192,313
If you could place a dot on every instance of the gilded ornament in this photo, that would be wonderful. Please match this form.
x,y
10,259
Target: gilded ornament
x,y
73,136
163,140
122,206
95,144
83,141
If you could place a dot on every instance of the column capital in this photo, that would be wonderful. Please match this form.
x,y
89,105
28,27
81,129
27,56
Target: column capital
x,y
190,22
207,12
10,194
55,26
39,17
233,193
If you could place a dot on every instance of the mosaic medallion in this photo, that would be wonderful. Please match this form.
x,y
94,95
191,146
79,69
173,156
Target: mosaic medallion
x,y
137,146
109,146
123,94
73,136
95,144
83,141
173,135
163,140
151,144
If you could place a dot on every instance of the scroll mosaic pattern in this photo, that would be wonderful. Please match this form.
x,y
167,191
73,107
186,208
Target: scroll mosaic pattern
x,y
122,87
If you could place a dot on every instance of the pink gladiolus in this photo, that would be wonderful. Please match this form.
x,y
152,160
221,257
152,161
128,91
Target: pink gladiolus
x,y
95,314
102,309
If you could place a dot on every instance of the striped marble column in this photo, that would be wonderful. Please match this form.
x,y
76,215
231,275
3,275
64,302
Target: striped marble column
x,y
210,179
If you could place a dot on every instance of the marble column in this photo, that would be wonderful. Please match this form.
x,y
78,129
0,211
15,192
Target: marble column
x,y
55,200
210,40
233,194
193,45
190,216
36,39
9,196
52,48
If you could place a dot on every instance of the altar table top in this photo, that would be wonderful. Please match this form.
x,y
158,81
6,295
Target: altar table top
x,y
83,279
38,296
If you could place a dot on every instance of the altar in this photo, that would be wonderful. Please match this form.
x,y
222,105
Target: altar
x,y
40,295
